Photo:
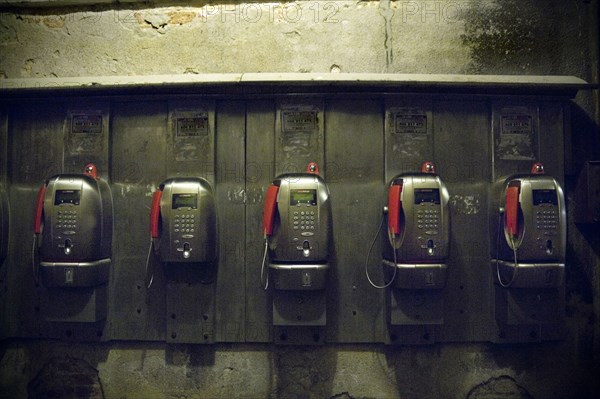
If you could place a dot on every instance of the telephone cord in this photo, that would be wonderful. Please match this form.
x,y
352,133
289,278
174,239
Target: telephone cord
x,y
514,248
33,259
369,255
264,285
147,266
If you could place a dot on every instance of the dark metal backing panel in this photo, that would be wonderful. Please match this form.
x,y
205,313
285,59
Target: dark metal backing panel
x,y
260,172
552,147
515,132
36,152
138,158
190,305
3,145
23,311
36,142
462,159
464,143
547,146
299,135
4,218
139,131
408,134
230,197
86,133
191,152
354,151
136,310
299,139
190,288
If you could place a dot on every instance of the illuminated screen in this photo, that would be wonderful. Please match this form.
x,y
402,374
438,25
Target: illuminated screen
x,y
305,196
544,197
431,195
67,197
185,201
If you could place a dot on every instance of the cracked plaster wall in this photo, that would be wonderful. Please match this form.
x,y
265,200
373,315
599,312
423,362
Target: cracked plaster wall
x,y
304,36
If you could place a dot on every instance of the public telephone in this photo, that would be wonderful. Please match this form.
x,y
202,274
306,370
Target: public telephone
x,y
531,239
418,226
296,230
73,230
3,226
183,224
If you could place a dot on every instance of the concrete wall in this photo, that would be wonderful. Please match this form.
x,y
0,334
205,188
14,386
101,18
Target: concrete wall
x,y
501,37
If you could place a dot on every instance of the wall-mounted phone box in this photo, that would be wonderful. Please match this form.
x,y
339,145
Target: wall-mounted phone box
x,y
297,219
74,217
418,231
531,238
183,222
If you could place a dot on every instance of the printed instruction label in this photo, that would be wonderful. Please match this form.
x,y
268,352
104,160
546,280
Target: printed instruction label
x,y
409,122
192,126
298,121
86,123
516,124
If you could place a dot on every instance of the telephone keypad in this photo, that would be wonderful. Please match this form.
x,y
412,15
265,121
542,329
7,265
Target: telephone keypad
x,y
184,223
546,219
428,219
67,220
304,220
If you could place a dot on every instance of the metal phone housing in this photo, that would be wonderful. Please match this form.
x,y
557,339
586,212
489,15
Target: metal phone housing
x,y
76,243
189,225
301,235
423,245
540,246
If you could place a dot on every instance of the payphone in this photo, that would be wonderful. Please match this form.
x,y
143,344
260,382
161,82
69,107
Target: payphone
x,y
73,230
183,224
4,215
296,229
418,225
530,239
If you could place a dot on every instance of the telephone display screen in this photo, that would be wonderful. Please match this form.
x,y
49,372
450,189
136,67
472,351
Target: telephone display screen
x,y
185,201
427,195
303,196
545,197
67,197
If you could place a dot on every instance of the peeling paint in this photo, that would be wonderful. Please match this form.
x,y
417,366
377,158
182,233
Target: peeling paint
x,y
181,17
466,204
237,195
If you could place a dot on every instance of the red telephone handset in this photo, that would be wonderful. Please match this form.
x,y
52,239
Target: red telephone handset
x,y
512,209
39,210
269,210
394,208
155,213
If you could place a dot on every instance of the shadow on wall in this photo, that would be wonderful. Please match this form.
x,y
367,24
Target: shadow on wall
x,y
66,377
304,372
524,37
